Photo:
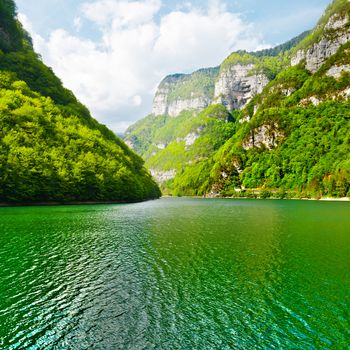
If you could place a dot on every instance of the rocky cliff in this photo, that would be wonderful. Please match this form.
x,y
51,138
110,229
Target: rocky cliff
x,y
276,120
238,80
330,34
180,92
232,86
237,85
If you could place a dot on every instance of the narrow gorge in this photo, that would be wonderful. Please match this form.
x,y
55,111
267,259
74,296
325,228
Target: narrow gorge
x,y
249,125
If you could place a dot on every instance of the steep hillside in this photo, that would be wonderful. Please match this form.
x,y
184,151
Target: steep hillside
x,y
51,149
181,98
290,122
240,77
11,33
180,92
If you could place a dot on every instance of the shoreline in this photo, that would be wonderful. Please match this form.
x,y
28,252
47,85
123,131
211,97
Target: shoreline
x,y
344,199
323,199
68,203
56,203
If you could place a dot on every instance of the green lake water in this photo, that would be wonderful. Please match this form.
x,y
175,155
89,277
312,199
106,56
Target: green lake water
x,y
176,274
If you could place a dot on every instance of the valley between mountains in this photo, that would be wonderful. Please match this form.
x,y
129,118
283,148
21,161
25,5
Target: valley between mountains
x,y
274,122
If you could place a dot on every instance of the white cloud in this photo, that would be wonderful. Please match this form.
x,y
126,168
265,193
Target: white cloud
x,y
137,99
77,23
121,13
117,75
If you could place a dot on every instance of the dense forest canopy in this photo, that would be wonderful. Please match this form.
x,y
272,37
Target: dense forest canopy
x,y
51,149
290,140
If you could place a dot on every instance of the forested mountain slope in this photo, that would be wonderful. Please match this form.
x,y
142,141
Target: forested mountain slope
x,y
287,128
51,149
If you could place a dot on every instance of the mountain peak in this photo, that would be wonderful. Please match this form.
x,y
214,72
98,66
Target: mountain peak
x,y
274,121
330,33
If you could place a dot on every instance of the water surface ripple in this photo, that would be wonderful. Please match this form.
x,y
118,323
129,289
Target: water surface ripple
x,y
176,274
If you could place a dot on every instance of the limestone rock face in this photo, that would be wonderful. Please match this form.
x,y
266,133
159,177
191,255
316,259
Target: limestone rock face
x,y
160,102
345,93
161,146
246,119
312,99
198,104
163,176
300,55
336,71
266,135
182,92
236,86
173,109
160,105
191,138
336,22
129,143
336,33
318,53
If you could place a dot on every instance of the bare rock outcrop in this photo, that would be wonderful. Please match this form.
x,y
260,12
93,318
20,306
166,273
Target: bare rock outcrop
x,y
191,138
197,104
163,176
237,85
336,71
336,33
233,87
182,92
267,136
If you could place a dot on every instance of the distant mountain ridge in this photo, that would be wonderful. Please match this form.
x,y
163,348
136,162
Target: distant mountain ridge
x,y
267,99
180,92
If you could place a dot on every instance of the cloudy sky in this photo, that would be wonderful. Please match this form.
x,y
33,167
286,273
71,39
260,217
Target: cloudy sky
x,y
113,53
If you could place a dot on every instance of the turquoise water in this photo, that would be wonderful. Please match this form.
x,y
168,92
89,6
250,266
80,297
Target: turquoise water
x,y
176,274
